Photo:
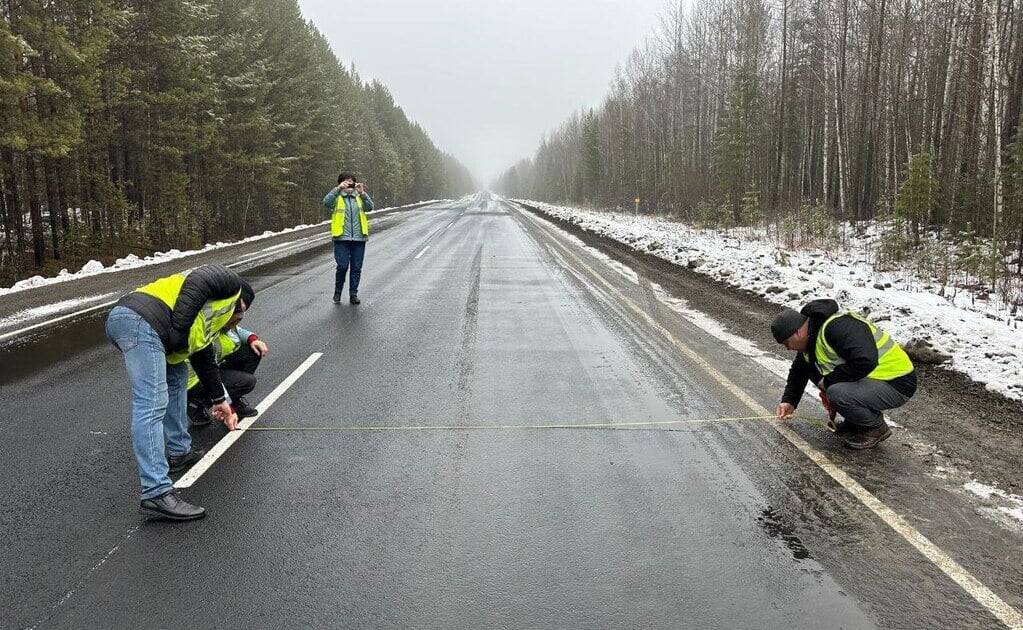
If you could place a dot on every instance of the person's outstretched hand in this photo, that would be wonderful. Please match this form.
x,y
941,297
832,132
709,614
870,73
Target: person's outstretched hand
x,y
785,410
259,347
224,413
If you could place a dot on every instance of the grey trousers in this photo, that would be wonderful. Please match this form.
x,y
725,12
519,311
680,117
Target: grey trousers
x,y
861,402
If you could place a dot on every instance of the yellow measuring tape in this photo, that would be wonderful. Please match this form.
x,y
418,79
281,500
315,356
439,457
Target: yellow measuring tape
x,y
830,426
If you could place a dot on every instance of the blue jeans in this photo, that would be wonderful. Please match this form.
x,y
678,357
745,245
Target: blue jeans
x,y
346,252
159,395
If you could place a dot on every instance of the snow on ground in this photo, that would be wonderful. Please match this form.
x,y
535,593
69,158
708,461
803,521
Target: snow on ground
x,y
982,339
1011,504
624,270
130,261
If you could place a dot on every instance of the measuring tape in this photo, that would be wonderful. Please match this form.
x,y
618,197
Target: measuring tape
x,y
830,426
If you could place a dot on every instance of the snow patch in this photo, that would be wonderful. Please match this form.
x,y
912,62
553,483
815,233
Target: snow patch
x,y
1011,504
46,310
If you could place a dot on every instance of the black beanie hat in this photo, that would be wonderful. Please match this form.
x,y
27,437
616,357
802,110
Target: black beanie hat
x,y
786,323
247,294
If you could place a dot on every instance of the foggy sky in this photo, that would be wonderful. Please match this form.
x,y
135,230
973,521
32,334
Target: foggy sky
x,y
486,78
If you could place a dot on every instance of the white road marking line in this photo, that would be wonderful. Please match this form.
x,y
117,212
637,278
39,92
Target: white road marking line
x,y
422,252
225,443
973,587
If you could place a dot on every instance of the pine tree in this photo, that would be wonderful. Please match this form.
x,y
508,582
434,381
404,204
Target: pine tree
x,y
918,195
1012,211
591,172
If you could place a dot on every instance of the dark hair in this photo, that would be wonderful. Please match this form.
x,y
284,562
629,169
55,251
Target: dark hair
x,y
247,294
343,176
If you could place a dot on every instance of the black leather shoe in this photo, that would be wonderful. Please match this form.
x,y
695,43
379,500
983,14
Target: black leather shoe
x,y
868,439
198,416
181,462
337,298
172,507
244,409
355,299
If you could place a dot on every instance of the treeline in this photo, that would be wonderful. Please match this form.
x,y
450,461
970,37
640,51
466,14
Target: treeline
x,y
134,126
738,112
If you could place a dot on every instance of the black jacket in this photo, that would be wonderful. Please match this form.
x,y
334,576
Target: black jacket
x,y
851,339
209,282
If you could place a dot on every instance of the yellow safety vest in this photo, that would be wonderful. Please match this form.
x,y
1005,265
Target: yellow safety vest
x,y
892,360
211,318
337,220
224,345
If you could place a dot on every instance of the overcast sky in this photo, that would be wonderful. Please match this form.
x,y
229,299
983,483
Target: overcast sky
x,y
486,78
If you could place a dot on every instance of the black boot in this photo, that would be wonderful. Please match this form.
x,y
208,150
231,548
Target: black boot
x,y
181,462
171,506
337,298
355,299
244,409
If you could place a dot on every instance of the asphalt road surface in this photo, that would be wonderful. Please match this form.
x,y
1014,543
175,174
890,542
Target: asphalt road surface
x,y
478,321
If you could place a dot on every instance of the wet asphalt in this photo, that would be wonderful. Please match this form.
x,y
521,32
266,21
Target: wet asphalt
x,y
472,316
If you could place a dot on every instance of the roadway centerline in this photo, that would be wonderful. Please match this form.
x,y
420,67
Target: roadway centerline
x,y
422,252
970,584
225,442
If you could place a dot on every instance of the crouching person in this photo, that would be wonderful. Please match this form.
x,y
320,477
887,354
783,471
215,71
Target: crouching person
x,y
158,328
238,354
858,366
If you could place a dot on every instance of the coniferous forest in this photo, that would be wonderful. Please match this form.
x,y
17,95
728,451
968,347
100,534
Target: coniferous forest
x,y
800,113
131,126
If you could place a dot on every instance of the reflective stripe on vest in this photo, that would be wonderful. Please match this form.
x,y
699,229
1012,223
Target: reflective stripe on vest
x,y
211,317
224,345
337,220
892,360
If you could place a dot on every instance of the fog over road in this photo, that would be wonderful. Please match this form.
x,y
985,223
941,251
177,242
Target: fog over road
x,y
479,321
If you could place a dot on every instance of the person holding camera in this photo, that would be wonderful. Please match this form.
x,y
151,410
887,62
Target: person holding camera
x,y
349,228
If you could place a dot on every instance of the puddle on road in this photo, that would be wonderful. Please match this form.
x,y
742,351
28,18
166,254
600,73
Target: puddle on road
x,y
27,355
774,524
